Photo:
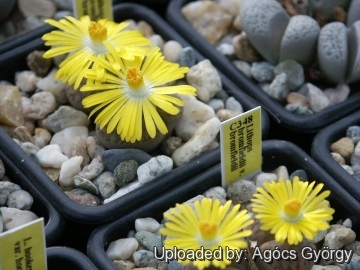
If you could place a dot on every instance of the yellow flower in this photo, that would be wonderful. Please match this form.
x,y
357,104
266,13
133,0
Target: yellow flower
x,y
133,91
85,38
291,210
210,225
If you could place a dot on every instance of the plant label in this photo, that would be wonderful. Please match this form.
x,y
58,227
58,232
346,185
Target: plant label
x,y
24,247
240,142
96,9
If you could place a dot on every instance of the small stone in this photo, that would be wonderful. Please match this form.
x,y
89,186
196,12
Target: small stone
x,y
339,237
261,178
225,114
54,86
82,197
244,50
187,57
354,263
348,169
13,217
282,173
37,63
320,235
243,66
20,199
278,88
51,156
66,116
262,71
233,105
201,14
81,182
124,190
155,167
146,224
42,104
172,50
113,157
26,80
347,223
205,78
30,149
145,258
145,28
338,94
78,148
123,265
62,138
122,249
125,172
216,104
353,132
11,112
106,184
297,98
216,193
149,240
344,146
157,41
41,137
226,49
317,99
21,133
298,109
299,173
95,168
6,188
354,160
169,145
37,8
198,144
69,169
241,191
194,115
94,148
338,158
294,73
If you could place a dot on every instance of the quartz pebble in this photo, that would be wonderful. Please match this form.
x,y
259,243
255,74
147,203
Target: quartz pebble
x,y
241,191
344,146
51,156
26,80
122,249
69,169
155,167
317,99
54,86
41,105
20,199
11,106
146,224
13,217
171,50
123,190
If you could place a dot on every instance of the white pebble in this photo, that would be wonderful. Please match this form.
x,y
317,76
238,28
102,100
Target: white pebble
x,y
122,249
13,217
155,167
51,156
347,223
68,170
261,178
20,199
171,50
146,224
198,144
124,190
67,135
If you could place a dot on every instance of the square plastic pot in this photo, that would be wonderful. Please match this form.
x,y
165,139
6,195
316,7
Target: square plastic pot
x,y
16,60
320,151
275,153
286,119
53,221
60,258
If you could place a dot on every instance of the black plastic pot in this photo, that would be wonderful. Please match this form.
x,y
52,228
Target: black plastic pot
x,y
60,258
54,222
15,60
320,151
286,119
275,153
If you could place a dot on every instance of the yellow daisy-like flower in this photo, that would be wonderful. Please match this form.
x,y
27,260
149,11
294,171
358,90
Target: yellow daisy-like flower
x,y
210,225
291,210
85,38
134,91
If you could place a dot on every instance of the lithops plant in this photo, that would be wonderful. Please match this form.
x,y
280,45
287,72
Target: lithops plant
x,y
277,36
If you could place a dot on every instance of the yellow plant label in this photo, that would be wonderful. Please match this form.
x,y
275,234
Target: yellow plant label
x,y
96,9
241,148
23,247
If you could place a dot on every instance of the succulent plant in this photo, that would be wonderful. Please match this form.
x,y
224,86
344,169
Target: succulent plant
x,y
277,36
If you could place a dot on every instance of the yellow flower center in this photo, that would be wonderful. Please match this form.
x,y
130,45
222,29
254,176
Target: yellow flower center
x,y
208,229
134,77
292,207
97,31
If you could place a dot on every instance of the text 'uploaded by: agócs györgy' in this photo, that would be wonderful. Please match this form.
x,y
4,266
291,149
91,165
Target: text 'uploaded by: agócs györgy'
x,y
267,255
